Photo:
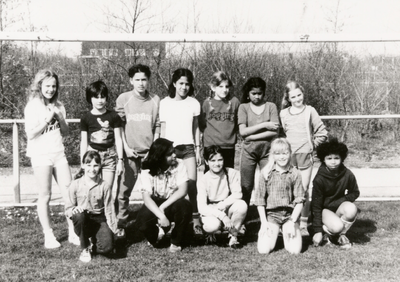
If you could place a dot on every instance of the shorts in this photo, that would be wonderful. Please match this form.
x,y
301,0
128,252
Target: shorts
x,y
279,216
302,160
185,152
108,158
52,159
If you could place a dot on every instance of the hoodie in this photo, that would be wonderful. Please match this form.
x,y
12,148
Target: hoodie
x,y
330,191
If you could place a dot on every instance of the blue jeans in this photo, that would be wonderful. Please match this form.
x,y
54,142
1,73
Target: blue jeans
x,y
253,153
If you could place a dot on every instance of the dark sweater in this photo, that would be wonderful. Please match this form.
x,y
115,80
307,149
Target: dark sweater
x,y
330,191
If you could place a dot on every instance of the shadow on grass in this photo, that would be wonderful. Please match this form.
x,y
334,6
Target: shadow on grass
x,y
358,233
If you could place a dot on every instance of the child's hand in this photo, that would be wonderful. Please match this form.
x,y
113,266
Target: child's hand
x,y
120,167
271,125
50,112
227,222
77,209
198,157
130,153
317,238
164,222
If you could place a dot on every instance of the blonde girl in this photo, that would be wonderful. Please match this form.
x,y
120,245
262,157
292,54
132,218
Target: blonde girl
x,y
45,126
304,130
279,199
218,119
179,114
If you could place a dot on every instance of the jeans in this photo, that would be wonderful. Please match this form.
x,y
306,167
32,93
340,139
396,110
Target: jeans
x,y
253,153
125,183
93,225
179,212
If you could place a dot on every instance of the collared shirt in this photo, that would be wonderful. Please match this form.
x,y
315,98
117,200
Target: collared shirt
x,y
165,184
95,199
281,189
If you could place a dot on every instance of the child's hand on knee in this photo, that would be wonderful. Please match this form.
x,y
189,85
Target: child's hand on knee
x,y
317,238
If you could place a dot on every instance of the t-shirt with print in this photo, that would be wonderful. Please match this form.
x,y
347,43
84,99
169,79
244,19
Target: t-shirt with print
x,y
100,129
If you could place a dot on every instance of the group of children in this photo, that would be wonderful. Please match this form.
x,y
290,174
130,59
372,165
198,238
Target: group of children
x,y
157,144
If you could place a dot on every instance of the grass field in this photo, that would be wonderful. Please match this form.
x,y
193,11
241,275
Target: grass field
x,y
374,257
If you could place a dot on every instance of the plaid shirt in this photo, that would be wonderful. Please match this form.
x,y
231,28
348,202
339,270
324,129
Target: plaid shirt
x,y
280,189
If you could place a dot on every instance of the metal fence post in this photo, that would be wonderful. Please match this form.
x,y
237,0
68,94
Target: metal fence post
x,y
17,192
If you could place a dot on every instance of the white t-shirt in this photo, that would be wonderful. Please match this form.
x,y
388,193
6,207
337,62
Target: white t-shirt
x,y
178,117
50,140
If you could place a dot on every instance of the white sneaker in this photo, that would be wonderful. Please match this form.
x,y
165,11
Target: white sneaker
x,y
50,241
174,249
73,238
85,256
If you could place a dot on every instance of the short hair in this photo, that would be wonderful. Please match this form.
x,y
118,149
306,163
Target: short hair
x,y
156,156
217,78
176,76
332,147
252,82
211,151
36,87
96,89
290,85
139,68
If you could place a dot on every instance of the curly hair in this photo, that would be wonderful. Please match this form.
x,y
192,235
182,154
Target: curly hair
x,y
332,147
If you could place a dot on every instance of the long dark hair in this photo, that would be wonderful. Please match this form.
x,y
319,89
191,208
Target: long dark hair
x,y
176,76
157,154
252,82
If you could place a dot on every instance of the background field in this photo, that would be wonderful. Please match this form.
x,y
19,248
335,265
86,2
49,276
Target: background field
x,y
374,256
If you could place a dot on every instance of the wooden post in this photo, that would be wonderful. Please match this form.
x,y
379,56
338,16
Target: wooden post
x,y
17,192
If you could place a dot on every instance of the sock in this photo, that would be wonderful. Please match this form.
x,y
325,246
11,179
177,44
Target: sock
x,y
196,219
347,225
326,230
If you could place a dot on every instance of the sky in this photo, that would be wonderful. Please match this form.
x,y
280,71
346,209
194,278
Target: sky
x,y
220,16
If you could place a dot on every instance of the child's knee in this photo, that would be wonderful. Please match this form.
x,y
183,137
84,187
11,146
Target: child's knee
x,y
211,224
350,211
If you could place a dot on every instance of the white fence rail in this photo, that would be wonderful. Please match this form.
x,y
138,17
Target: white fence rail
x,y
15,137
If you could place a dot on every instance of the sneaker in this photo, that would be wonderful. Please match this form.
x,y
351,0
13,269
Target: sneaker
x,y
242,231
50,241
85,256
344,242
198,231
210,239
174,249
304,232
234,243
327,241
73,238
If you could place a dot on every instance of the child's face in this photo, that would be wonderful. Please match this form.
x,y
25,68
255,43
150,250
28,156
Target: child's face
x,y
256,96
139,82
281,158
99,102
92,169
332,161
296,97
170,158
216,163
49,87
222,90
182,86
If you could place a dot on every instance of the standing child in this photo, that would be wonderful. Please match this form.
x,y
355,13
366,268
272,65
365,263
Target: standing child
x,y
139,111
101,131
91,209
334,191
219,118
258,125
164,182
45,126
279,200
179,123
220,197
305,131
